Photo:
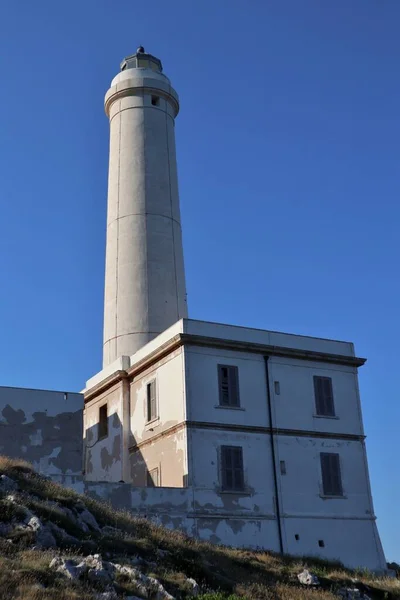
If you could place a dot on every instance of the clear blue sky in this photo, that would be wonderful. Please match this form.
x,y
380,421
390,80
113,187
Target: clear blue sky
x,y
288,150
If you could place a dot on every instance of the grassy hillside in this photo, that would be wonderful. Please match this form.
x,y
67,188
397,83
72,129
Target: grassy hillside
x,y
41,521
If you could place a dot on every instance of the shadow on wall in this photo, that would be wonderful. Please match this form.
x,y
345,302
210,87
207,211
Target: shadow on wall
x,y
107,456
106,459
53,444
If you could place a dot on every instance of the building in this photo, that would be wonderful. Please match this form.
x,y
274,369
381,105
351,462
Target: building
x,y
239,436
43,427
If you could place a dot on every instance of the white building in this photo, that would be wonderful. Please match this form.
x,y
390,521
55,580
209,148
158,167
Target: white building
x,y
240,436
264,428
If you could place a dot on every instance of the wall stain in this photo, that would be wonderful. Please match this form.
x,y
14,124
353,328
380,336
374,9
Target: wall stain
x,y
52,444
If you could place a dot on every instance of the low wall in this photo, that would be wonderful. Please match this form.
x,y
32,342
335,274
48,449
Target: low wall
x,y
44,428
235,520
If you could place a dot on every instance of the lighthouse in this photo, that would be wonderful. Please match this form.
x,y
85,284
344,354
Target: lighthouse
x,y
145,291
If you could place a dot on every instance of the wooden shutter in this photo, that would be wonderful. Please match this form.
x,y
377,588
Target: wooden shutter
x,y
228,382
237,459
151,400
232,468
331,475
323,392
234,386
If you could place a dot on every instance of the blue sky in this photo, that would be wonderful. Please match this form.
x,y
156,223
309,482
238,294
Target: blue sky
x,y
288,150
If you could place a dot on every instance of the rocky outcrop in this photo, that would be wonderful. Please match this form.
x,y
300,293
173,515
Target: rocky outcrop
x,y
98,571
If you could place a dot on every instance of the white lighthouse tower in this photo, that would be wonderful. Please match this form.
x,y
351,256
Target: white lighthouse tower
x,y
145,289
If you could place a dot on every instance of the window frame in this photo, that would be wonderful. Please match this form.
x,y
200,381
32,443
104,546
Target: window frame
x,y
332,482
232,383
151,401
324,402
236,471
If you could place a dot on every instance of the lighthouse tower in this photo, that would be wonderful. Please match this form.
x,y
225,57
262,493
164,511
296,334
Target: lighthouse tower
x,y
145,289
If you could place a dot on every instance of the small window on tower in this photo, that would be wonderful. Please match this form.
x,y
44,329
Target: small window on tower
x,y
103,422
155,100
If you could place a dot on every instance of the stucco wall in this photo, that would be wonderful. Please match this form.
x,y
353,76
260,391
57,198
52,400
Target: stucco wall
x,y
43,427
155,448
294,407
355,543
202,394
104,458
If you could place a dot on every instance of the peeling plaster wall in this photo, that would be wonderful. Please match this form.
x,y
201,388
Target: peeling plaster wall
x,y
258,496
301,487
42,427
294,407
104,458
355,543
181,508
168,452
187,454
168,455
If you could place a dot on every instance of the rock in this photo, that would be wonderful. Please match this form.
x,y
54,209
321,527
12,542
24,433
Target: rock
x,y
110,595
307,578
7,484
98,571
86,517
45,539
147,587
195,588
65,567
44,536
35,523
63,536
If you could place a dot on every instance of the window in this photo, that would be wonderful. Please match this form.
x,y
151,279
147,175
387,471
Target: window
x,y
152,478
232,478
331,476
151,401
155,100
228,379
103,422
321,543
283,467
324,396
277,387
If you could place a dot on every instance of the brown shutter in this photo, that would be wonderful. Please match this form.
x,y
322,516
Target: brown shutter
x,y
331,475
234,399
323,392
318,395
328,397
151,400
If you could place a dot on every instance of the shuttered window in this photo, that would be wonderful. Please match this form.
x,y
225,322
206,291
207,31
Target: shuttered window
x,y
331,475
232,478
151,400
103,421
324,396
228,380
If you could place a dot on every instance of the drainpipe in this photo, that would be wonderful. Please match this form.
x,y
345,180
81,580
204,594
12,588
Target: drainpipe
x,y
271,434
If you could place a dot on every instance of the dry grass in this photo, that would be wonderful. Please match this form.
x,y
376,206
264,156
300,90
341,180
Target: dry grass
x,y
224,573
